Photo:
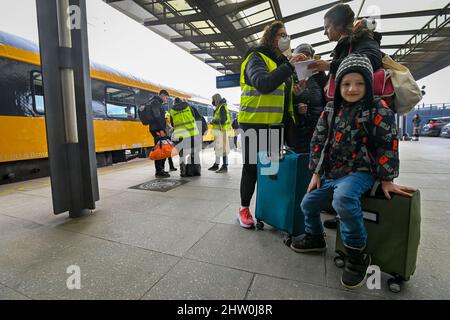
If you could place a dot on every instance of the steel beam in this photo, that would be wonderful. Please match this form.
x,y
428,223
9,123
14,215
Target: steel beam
x,y
68,105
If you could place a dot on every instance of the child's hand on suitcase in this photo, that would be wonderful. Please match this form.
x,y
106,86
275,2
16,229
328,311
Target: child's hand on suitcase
x,y
315,182
389,186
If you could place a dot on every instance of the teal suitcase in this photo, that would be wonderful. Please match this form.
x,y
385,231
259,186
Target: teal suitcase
x,y
393,228
280,193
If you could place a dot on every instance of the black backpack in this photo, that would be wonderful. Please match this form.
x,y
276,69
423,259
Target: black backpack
x,y
149,112
199,118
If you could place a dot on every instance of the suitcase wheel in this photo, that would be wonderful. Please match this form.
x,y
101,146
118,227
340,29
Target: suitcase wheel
x,y
287,240
395,285
339,260
259,225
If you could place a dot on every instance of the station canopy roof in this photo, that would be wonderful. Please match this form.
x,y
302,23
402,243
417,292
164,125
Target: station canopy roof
x,y
219,32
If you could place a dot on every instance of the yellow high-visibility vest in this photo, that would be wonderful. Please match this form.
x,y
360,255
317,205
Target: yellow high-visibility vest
x,y
184,123
225,127
259,108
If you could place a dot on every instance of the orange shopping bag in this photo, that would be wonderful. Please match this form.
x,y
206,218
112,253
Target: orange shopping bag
x,y
163,149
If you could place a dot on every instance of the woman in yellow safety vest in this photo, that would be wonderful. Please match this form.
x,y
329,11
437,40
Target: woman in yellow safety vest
x,y
221,130
266,98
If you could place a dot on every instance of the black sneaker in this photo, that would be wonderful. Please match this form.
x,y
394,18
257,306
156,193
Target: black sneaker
x,y
173,169
223,169
162,174
355,271
309,243
331,223
214,167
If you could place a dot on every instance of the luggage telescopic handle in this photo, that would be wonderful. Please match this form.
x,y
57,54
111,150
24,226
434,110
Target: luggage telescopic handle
x,y
277,126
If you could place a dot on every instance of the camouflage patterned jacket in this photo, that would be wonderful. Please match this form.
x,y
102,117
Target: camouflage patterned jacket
x,y
351,148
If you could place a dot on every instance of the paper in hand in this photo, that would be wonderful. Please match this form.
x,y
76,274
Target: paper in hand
x,y
301,68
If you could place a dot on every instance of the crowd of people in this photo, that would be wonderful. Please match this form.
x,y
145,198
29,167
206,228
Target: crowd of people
x,y
352,140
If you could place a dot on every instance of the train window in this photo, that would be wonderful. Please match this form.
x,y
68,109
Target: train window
x,y
37,90
120,103
121,112
120,96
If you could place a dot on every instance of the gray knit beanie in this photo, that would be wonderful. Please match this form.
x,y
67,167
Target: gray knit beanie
x,y
355,63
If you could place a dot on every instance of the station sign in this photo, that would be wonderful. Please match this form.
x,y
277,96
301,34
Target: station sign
x,y
228,81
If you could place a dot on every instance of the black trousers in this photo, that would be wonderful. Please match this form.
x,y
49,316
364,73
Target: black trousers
x,y
159,164
249,175
170,162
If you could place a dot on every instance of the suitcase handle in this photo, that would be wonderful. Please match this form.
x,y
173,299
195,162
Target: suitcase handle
x,y
278,126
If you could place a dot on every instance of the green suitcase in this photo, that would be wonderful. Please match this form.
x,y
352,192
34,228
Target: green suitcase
x,y
393,228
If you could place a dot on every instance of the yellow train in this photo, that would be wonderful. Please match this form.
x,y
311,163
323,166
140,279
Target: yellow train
x,y
119,134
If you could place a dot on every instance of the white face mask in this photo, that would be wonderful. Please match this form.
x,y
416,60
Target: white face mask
x,y
284,43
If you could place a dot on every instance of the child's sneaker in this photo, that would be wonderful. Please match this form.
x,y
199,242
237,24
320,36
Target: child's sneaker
x,y
245,218
309,243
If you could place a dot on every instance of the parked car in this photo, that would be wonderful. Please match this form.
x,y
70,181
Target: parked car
x,y
434,126
445,131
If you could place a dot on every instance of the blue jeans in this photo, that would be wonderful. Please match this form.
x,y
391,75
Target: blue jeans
x,y
344,195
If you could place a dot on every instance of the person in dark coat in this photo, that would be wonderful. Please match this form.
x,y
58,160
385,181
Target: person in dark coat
x,y
188,136
339,23
308,105
264,72
339,27
355,145
158,128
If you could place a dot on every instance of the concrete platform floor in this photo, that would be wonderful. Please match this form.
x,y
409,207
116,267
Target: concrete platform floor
x,y
186,243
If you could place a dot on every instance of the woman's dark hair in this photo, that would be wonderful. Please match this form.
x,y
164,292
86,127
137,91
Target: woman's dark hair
x,y
177,100
341,16
270,32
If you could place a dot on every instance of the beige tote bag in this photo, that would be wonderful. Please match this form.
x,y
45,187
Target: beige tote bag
x,y
407,92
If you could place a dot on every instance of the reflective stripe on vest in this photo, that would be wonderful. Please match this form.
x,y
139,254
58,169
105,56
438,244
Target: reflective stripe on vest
x,y
183,123
258,108
227,126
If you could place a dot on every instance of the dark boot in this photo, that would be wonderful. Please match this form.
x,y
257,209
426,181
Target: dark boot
x,y
356,263
309,243
197,170
214,167
171,166
162,174
222,169
182,170
189,170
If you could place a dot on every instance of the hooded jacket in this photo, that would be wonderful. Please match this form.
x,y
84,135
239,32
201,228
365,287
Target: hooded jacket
x,y
362,136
